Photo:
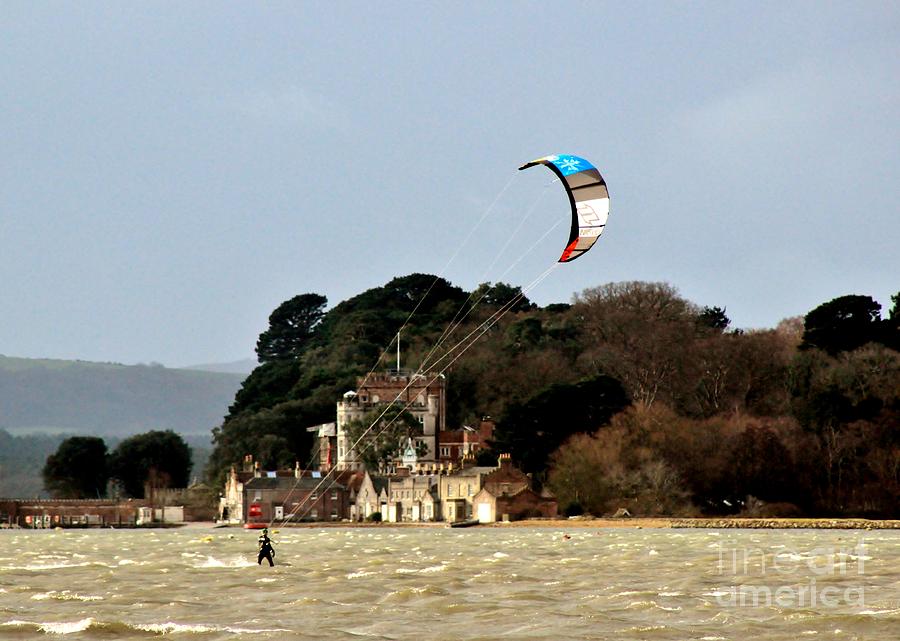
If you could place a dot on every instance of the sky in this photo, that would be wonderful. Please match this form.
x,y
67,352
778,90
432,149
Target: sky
x,y
171,172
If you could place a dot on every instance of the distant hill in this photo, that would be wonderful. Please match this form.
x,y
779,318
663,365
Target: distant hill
x,y
108,399
244,366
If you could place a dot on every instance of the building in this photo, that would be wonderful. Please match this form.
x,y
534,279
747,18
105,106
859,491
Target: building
x,y
507,495
422,395
47,513
455,445
231,502
413,496
371,497
254,495
277,498
457,486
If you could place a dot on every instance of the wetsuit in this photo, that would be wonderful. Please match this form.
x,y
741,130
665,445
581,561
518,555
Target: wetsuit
x,y
265,550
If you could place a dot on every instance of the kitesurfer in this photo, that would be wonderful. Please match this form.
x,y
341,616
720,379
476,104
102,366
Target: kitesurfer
x,y
266,551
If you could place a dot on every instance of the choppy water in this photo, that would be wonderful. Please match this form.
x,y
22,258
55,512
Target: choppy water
x,y
481,583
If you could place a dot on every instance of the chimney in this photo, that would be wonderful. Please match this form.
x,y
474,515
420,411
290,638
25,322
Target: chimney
x,y
257,471
297,471
505,462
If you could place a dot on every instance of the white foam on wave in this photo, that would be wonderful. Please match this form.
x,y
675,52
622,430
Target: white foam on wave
x,y
65,595
170,627
428,570
876,612
235,562
359,574
41,567
67,627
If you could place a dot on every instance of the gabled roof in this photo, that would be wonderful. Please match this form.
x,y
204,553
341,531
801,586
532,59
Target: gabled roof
x,y
379,483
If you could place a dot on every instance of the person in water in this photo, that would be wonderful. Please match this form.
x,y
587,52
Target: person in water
x,y
266,551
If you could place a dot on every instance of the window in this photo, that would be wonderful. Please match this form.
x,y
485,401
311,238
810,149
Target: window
x,y
334,515
314,514
449,489
313,495
470,490
334,495
445,450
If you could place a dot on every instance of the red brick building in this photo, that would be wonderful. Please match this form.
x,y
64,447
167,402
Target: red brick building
x,y
507,494
43,513
455,445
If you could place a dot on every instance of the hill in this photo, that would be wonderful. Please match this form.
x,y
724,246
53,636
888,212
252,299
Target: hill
x,y
243,367
631,396
108,399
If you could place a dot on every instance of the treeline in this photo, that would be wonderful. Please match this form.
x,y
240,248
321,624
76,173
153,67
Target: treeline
x,y
21,460
629,397
802,419
83,467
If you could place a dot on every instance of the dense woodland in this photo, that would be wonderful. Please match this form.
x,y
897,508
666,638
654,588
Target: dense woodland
x,y
629,397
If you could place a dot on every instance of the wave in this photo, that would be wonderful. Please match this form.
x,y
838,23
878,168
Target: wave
x,y
234,562
120,627
44,567
65,595
428,570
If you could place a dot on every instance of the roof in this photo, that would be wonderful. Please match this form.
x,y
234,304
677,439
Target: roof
x,y
379,483
289,483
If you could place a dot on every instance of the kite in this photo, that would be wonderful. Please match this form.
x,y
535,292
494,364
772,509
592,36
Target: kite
x,y
588,197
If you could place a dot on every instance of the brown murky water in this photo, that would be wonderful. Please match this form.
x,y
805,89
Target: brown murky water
x,y
430,583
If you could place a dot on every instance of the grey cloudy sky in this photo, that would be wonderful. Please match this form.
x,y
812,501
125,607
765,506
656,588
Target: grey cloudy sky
x,y
171,172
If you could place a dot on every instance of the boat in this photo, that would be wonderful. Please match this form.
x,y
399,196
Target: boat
x,y
468,523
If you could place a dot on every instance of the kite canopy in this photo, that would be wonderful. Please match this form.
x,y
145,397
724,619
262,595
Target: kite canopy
x,y
587,195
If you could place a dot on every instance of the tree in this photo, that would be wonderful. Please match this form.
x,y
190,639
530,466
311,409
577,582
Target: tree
x,y
532,430
842,324
714,318
761,466
291,326
641,334
161,455
612,468
276,436
502,295
77,469
891,329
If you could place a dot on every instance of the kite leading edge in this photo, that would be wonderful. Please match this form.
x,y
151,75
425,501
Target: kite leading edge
x,y
588,197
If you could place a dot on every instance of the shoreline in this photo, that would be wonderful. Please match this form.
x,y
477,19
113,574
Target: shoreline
x,y
710,523
574,523
637,523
